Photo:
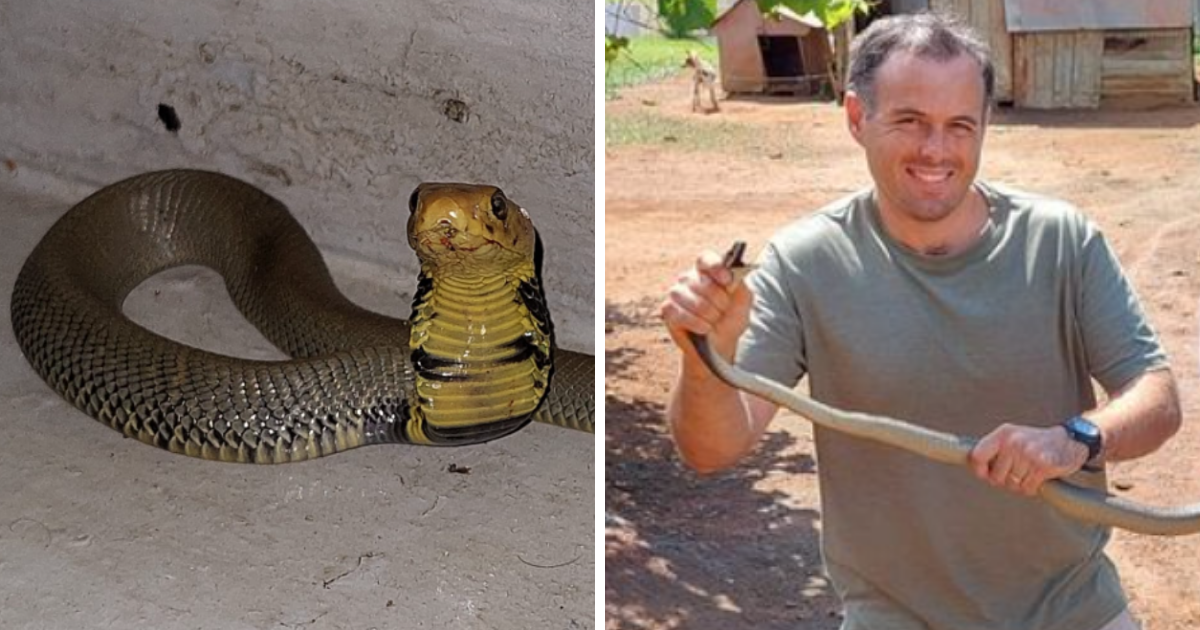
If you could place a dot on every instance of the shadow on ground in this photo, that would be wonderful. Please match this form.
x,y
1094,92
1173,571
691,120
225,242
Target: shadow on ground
x,y
726,551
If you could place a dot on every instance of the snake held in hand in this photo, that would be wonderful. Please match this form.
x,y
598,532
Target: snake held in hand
x,y
476,360
1082,503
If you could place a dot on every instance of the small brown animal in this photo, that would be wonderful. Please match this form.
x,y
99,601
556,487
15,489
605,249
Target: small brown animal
x,y
702,75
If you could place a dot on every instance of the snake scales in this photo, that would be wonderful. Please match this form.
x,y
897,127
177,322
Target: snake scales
x,y
475,362
1082,503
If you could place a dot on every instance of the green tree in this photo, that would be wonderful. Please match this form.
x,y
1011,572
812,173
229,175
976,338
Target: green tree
x,y
613,45
685,16
831,13
682,17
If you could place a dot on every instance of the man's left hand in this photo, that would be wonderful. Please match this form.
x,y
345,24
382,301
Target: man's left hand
x,y
1020,459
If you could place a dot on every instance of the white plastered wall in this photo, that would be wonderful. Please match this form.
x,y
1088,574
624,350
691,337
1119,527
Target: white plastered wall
x,y
338,108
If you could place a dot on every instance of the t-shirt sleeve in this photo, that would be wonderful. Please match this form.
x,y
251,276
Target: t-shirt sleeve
x,y
1119,341
773,344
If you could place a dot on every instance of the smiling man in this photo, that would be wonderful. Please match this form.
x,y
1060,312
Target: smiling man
x,y
960,305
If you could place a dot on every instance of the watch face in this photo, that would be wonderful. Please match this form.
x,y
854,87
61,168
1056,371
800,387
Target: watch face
x,y
1085,428
1087,433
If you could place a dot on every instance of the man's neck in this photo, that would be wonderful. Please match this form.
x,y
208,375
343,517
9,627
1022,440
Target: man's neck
x,y
951,235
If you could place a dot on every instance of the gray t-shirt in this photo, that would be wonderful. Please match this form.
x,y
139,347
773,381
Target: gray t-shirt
x,y
1012,330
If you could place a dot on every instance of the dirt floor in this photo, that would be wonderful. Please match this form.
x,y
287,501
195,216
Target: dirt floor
x,y
740,549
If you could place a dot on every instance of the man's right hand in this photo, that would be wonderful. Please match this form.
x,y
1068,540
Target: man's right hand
x,y
710,300
713,424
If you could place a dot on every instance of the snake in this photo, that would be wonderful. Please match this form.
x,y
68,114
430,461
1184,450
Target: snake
x,y
1085,504
475,361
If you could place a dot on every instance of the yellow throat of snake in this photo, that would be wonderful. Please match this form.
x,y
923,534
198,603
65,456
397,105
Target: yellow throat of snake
x,y
481,334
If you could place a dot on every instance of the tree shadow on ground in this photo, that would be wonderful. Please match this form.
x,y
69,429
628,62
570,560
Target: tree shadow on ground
x,y
619,359
726,551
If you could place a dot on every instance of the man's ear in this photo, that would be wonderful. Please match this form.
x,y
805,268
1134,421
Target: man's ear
x,y
856,114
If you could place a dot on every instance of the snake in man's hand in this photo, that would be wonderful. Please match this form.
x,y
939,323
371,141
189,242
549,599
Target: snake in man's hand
x,y
1085,504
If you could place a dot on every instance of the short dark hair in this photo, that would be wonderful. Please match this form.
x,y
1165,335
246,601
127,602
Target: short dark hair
x,y
927,35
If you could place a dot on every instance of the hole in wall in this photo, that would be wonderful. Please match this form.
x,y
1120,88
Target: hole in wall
x,y
169,118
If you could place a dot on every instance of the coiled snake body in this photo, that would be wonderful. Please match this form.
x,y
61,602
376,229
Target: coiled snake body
x,y
475,362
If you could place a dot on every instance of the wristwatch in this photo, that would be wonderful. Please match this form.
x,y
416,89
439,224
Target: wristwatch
x,y
1088,434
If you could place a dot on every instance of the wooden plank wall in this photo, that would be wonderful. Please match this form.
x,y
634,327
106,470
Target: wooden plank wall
x,y
987,17
1153,66
1058,69
1083,69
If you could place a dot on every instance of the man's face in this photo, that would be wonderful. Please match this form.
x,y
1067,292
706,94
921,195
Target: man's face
x,y
924,135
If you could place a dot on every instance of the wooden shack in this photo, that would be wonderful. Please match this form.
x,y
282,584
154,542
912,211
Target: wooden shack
x,y
1053,54
781,52
1103,52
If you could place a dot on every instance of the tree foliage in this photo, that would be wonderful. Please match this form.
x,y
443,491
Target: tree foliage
x,y
682,17
831,13
613,46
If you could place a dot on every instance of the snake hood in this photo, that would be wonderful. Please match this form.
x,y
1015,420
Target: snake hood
x,y
464,228
481,333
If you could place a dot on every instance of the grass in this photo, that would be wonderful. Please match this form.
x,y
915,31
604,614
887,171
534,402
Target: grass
x,y
647,127
652,57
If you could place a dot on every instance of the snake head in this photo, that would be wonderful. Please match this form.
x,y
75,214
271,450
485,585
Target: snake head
x,y
469,226
734,261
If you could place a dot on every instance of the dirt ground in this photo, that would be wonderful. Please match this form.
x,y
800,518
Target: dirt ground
x,y
740,549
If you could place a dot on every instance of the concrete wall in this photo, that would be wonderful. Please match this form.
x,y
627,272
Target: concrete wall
x,y
337,108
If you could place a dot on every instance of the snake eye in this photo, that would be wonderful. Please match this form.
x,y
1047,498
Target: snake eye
x,y
412,200
499,205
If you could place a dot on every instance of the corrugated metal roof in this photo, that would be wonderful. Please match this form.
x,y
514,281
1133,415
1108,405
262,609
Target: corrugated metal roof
x,y
1070,15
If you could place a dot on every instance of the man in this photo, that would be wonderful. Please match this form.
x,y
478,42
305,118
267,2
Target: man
x,y
952,303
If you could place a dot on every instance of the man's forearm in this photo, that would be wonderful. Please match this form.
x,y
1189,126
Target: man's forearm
x,y
713,424
1140,418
